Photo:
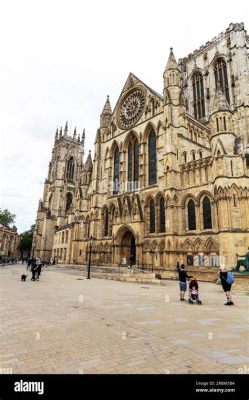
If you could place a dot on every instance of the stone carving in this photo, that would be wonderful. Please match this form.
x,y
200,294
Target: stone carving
x,y
131,109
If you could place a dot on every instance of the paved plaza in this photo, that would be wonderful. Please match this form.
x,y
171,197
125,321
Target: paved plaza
x,y
67,324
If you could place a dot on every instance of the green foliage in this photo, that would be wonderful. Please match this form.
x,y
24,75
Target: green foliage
x,y
6,217
26,238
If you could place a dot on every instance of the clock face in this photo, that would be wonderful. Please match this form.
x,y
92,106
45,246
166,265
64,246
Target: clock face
x,y
131,109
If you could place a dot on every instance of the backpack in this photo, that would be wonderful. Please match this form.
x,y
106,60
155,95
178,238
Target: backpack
x,y
230,278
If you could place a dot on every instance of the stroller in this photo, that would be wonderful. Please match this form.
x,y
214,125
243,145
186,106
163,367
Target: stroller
x,y
194,292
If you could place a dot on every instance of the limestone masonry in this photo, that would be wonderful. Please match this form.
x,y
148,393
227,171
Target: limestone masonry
x,y
169,178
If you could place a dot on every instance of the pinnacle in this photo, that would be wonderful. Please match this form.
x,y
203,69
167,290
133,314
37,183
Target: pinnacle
x,y
107,107
171,63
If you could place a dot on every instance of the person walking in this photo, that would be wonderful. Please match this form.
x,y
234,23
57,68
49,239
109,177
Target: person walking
x,y
226,279
34,269
183,276
39,267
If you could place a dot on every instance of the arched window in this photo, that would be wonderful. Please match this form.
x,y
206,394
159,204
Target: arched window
x,y
133,164
70,169
113,213
136,161
130,161
191,215
224,123
152,158
116,172
152,216
198,95
69,200
153,107
161,216
220,73
106,221
207,215
217,124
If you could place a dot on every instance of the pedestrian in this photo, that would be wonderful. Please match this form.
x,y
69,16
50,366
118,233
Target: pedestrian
x,y
39,267
183,281
123,263
131,260
226,279
34,269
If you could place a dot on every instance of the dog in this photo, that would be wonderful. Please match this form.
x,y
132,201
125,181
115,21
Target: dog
x,y
23,277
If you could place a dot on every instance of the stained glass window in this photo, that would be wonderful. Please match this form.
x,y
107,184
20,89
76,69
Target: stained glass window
x,y
106,222
191,215
69,200
133,164
130,161
220,73
116,172
152,216
207,215
136,161
162,216
70,168
198,95
152,158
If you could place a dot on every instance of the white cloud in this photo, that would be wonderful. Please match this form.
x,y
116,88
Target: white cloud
x,y
59,60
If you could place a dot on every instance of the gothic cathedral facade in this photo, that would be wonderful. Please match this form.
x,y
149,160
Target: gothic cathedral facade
x,y
169,177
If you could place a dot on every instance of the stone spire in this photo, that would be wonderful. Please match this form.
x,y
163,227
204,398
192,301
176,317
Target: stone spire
x,y
107,107
61,132
172,77
74,134
106,114
98,136
171,63
83,137
220,101
89,163
56,135
66,129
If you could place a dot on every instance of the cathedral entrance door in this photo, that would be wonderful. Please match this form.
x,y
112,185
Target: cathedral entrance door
x,y
128,247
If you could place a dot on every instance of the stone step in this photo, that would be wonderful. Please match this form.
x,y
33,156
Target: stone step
x,y
139,278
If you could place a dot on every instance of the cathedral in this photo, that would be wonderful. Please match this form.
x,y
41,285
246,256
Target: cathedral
x,y
168,178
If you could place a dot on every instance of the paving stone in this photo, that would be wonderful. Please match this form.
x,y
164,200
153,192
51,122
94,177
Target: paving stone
x,y
119,327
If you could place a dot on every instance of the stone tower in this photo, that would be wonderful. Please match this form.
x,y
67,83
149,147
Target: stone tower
x,y
57,207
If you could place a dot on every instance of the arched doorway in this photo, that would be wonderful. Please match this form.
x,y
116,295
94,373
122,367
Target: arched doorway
x,y
128,246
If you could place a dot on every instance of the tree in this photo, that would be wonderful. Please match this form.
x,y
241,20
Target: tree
x,y
25,243
6,217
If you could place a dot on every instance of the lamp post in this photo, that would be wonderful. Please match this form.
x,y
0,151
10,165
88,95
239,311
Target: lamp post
x,y
152,258
90,257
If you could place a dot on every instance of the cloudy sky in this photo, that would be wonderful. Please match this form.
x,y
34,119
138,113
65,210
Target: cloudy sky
x,y
60,59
